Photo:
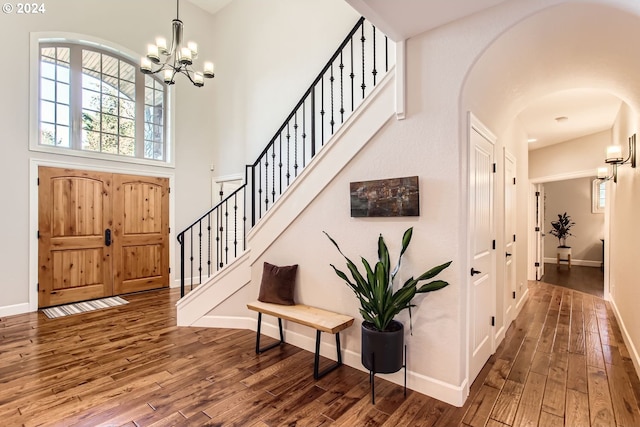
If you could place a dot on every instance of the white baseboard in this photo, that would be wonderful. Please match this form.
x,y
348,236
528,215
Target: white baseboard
x,y
12,310
580,262
449,393
633,351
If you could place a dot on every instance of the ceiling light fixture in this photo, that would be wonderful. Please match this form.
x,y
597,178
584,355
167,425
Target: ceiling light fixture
x,y
561,119
532,140
178,58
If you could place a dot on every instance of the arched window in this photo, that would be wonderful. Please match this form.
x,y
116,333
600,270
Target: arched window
x,y
95,100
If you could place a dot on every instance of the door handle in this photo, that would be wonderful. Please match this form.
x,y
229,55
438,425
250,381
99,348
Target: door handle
x,y
508,254
107,237
474,271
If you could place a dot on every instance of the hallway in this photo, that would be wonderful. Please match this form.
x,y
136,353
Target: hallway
x,y
562,363
584,279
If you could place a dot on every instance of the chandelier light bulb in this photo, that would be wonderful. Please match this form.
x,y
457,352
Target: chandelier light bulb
x,y
161,42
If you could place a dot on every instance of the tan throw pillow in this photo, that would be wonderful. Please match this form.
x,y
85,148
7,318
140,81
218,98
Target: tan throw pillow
x,y
277,284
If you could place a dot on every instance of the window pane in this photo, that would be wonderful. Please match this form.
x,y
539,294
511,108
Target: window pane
x,y
158,154
48,52
47,90
127,146
109,104
90,100
110,85
127,90
90,141
62,93
47,69
127,109
91,60
64,54
127,72
62,73
110,65
47,134
90,120
110,144
62,136
127,128
91,80
109,123
47,112
62,114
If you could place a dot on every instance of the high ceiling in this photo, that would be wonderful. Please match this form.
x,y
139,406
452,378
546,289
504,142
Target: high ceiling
x,y
587,111
211,6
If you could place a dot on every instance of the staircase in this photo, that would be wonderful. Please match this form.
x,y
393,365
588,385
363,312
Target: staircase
x,y
324,131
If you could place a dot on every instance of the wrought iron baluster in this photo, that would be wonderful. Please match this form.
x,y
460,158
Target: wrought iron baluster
x,y
341,89
374,72
259,189
226,232
191,255
386,53
280,161
209,245
331,79
288,154
200,251
352,75
273,172
266,183
313,121
304,134
322,111
363,39
295,144
235,224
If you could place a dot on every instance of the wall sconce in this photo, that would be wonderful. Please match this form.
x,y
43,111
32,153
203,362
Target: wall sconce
x,y
615,159
603,174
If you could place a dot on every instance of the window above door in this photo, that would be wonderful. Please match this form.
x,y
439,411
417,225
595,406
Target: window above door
x,y
89,99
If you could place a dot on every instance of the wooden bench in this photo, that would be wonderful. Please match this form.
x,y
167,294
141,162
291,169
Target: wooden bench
x,y
319,319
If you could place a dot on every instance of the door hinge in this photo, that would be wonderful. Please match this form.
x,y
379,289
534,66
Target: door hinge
x,y
537,264
495,167
38,234
169,230
537,194
170,272
537,228
169,190
514,237
514,294
38,286
514,180
493,320
494,244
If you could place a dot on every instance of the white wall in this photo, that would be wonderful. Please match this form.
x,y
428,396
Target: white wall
x,y
561,160
267,55
574,197
624,244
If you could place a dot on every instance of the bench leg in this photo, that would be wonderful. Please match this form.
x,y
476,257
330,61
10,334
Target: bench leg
x,y
269,347
316,364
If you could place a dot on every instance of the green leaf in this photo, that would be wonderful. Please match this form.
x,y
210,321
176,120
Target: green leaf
x,y
432,286
406,239
433,272
383,255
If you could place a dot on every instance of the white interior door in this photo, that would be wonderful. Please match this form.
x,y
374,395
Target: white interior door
x,y
482,287
539,197
509,236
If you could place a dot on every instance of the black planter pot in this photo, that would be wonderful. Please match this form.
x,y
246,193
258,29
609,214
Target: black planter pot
x,y
384,348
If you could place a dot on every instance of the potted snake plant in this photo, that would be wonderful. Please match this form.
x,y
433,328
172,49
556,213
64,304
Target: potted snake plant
x,y
382,335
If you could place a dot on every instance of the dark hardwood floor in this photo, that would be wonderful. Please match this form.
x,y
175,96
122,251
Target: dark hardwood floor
x,y
579,278
562,362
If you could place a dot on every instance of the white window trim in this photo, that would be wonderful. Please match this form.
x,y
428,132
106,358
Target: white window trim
x,y
34,120
595,197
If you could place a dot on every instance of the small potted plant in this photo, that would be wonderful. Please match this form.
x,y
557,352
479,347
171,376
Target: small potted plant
x,y
383,336
561,229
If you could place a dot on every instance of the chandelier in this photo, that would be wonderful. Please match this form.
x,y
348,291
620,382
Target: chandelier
x,y
176,59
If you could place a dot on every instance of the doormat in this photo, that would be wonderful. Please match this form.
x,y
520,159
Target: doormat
x,y
83,307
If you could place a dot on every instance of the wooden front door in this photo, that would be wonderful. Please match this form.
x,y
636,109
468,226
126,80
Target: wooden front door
x,y
100,234
141,237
